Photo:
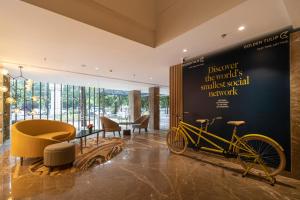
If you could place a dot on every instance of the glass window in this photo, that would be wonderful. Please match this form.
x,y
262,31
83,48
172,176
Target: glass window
x,y
28,103
13,106
164,112
145,103
76,105
69,104
35,105
122,103
43,101
65,102
92,105
19,96
58,101
51,102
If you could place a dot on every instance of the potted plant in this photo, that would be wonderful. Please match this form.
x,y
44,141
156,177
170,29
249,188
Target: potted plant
x,y
90,127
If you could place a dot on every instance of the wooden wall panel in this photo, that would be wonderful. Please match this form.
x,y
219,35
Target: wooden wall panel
x,y
134,98
4,109
176,99
1,109
154,108
295,103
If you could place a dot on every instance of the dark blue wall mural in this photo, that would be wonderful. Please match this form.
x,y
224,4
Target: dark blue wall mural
x,y
249,82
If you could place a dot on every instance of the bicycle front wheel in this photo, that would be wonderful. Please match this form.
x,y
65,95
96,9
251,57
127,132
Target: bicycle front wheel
x,y
176,141
260,152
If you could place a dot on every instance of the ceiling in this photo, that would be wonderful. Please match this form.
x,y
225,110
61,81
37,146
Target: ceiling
x,y
53,47
150,22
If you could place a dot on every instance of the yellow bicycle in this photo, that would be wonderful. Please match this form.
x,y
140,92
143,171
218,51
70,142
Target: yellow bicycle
x,y
253,151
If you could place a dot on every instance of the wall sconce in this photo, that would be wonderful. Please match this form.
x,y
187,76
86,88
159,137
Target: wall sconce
x,y
17,110
3,89
34,98
33,112
10,100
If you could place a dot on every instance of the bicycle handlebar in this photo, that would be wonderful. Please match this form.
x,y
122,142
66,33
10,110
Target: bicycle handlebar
x,y
214,119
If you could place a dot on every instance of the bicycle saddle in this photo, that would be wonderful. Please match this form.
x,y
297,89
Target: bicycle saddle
x,y
201,121
236,123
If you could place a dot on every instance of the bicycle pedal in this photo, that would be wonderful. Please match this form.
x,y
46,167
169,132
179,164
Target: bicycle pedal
x,y
196,148
229,154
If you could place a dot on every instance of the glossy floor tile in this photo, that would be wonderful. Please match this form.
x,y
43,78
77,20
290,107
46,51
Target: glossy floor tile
x,y
145,169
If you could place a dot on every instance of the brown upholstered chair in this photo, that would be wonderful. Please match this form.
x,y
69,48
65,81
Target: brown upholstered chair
x,y
141,122
109,125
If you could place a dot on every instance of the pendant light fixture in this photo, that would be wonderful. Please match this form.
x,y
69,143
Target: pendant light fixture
x,y
28,83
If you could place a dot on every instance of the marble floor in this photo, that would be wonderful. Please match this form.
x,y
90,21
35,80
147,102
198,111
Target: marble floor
x,y
145,169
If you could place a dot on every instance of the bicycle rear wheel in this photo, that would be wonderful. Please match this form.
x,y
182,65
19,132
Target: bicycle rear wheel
x,y
176,141
260,152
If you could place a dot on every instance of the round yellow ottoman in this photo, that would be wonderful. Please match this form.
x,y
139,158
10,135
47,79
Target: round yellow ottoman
x,y
59,154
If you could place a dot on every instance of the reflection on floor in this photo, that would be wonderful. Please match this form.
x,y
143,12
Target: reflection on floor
x,y
146,170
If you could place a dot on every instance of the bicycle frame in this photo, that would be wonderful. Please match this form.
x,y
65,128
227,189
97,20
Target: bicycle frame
x,y
236,144
183,127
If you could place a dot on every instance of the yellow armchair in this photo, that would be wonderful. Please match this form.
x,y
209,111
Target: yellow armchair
x,y
30,137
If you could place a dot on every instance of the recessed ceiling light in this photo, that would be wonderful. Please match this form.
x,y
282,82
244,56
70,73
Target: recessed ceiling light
x,y
224,35
150,78
97,68
184,50
241,28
